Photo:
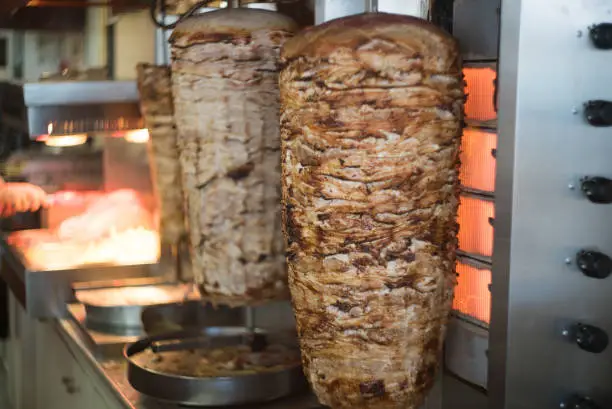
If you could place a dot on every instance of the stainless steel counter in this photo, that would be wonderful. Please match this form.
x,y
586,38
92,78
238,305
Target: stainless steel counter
x,y
101,354
44,294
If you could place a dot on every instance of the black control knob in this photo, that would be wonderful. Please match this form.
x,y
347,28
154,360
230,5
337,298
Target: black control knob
x,y
579,402
594,264
588,337
598,113
601,36
597,189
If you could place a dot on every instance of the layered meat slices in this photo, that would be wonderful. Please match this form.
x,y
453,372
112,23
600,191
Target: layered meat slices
x,y
155,88
225,85
371,121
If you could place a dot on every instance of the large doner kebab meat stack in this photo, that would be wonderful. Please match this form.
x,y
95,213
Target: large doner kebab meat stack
x,y
225,85
155,88
371,120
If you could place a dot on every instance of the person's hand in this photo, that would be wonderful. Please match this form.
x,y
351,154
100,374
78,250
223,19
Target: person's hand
x,y
21,197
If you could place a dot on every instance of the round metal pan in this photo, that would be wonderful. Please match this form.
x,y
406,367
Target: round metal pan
x,y
118,320
213,391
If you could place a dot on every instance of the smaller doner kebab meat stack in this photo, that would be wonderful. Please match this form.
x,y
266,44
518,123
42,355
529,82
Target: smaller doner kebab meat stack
x,y
155,88
371,122
225,85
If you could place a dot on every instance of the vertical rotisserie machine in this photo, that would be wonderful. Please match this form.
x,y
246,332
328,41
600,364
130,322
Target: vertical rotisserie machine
x,y
550,318
531,323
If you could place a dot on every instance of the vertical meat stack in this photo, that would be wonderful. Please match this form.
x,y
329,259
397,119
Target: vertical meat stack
x,y
371,119
225,84
155,88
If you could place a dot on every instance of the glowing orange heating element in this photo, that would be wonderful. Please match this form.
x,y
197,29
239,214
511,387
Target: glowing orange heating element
x,y
475,229
477,160
480,89
478,166
472,295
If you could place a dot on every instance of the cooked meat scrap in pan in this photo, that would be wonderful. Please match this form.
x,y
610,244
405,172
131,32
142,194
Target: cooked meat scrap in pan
x,y
225,82
371,122
155,88
224,361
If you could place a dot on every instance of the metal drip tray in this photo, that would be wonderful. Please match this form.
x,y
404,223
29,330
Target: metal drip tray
x,y
223,390
108,342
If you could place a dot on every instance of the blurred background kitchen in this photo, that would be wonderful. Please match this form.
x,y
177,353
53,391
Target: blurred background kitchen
x,y
37,40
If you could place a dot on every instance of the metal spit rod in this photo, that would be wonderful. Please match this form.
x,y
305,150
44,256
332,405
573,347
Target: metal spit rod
x,y
249,318
176,254
371,6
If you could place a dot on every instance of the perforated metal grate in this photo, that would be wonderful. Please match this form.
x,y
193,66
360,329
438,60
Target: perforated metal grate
x,y
472,295
480,90
478,160
476,217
